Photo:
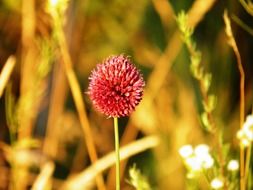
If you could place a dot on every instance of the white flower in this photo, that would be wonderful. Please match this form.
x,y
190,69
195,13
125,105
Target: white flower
x,y
196,159
53,6
202,153
201,150
192,174
193,163
233,165
186,151
245,135
248,127
249,121
207,162
217,183
54,3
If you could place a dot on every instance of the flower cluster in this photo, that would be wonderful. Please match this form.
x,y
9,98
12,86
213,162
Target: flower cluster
x,y
199,161
116,86
218,182
245,135
196,159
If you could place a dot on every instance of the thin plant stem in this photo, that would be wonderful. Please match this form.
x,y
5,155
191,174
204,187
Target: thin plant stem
x,y
232,43
43,181
6,73
116,134
80,106
247,163
246,7
196,55
29,52
242,24
9,105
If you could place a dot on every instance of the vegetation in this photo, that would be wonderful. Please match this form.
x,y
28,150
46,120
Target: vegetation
x,y
193,128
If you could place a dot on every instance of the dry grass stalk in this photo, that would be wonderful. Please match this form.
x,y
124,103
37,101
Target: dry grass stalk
x,y
6,73
87,176
232,43
29,54
57,99
77,96
43,180
165,11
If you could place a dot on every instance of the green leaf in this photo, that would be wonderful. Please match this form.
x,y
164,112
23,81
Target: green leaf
x,y
207,79
210,105
137,180
205,121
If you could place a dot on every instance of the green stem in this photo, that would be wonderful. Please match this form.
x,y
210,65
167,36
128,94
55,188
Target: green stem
x,y
247,163
116,134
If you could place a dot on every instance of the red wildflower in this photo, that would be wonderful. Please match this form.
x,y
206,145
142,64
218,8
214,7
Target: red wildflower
x,y
116,86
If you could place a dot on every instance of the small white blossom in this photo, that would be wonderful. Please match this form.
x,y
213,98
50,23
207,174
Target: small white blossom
x,y
245,135
217,183
191,174
196,159
54,3
201,150
249,121
193,163
202,153
186,151
248,127
233,165
208,162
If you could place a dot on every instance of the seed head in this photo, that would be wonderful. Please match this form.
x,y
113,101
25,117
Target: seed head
x,y
116,86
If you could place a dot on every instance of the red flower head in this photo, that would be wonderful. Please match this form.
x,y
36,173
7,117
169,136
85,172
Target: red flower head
x,y
116,86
